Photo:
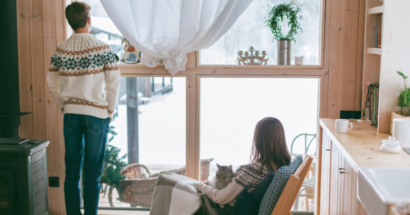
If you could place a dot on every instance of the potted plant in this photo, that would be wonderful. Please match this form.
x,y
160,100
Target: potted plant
x,y
113,164
292,11
403,102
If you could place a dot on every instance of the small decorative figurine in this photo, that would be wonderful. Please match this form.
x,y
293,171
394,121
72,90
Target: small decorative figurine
x,y
253,58
128,49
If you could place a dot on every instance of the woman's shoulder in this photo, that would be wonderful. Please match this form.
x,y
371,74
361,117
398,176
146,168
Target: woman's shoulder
x,y
250,174
252,167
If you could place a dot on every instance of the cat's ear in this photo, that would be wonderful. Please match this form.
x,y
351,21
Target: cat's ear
x,y
218,166
230,167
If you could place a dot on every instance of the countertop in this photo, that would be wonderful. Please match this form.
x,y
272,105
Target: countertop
x,y
361,145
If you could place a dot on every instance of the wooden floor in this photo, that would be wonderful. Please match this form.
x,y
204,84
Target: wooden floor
x,y
117,212
104,203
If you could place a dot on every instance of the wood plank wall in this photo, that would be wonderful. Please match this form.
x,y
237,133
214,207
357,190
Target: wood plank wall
x,y
395,57
341,86
41,26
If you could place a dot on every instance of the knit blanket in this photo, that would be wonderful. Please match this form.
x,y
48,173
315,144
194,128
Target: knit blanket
x,y
175,195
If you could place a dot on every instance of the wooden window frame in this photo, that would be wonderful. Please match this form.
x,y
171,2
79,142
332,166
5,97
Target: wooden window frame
x,y
194,72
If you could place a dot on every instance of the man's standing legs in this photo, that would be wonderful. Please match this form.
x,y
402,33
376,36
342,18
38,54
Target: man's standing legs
x,y
74,142
95,137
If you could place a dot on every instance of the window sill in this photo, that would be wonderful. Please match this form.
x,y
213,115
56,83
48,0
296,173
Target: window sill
x,y
262,66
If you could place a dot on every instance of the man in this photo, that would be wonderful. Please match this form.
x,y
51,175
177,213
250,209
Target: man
x,y
79,70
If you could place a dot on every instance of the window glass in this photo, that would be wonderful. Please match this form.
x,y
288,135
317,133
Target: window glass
x,y
230,108
250,30
150,128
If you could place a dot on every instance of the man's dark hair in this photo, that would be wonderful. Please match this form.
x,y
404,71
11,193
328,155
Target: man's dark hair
x,y
77,14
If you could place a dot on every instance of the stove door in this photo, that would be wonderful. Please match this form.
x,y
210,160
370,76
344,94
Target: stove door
x,y
7,192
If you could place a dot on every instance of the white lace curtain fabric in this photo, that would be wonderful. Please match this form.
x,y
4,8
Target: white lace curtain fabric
x,y
167,30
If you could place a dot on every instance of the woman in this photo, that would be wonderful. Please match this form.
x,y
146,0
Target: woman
x,y
269,153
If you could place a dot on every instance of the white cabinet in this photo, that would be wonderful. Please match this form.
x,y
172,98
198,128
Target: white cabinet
x,y
338,184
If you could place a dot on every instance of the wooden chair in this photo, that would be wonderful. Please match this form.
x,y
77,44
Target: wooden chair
x,y
291,190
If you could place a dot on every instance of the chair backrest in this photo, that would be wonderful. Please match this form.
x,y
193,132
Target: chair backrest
x,y
291,190
307,143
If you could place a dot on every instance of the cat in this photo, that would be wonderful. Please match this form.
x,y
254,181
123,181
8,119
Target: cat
x,y
223,177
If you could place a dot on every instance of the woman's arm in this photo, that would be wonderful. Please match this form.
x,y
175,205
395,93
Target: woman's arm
x,y
224,195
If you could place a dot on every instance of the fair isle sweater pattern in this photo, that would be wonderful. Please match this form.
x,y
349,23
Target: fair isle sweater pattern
x,y
93,61
250,175
83,77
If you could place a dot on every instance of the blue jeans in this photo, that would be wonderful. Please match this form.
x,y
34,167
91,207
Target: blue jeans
x,y
85,137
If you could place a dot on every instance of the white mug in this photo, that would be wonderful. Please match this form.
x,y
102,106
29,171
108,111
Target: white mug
x,y
342,125
401,131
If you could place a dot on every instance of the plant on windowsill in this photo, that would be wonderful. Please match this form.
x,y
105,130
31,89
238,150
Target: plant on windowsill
x,y
403,102
404,97
293,12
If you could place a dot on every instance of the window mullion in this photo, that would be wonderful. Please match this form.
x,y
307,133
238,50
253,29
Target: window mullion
x,y
192,136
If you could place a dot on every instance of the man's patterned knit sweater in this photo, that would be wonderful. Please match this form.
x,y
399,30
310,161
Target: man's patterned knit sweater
x,y
78,70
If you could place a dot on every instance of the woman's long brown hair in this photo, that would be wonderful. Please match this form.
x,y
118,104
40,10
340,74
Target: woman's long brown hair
x,y
269,144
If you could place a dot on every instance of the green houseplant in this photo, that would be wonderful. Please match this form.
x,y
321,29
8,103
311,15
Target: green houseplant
x,y
404,97
293,12
113,164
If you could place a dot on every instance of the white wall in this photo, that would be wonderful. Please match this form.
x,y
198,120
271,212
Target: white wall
x,y
395,57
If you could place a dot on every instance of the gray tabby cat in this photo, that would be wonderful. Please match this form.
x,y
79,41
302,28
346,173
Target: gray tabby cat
x,y
223,177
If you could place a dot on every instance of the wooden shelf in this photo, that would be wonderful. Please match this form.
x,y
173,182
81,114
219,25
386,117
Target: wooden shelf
x,y
377,51
376,10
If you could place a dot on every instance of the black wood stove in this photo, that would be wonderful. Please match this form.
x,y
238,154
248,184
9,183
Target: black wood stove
x,y
23,177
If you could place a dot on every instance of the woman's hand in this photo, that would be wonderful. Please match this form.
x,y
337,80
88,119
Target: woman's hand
x,y
204,182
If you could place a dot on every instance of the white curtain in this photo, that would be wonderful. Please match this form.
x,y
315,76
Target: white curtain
x,y
167,30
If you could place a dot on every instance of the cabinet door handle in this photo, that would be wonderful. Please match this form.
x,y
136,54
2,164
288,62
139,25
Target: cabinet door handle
x,y
341,172
341,168
328,150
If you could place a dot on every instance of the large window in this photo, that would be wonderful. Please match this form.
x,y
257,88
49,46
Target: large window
x,y
155,130
250,30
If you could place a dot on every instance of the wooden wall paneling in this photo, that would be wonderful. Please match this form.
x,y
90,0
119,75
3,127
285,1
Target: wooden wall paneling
x,y
324,95
52,24
371,62
24,58
360,56
60,36
192,127
350,58
324,82
337,30
395,57
38,70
